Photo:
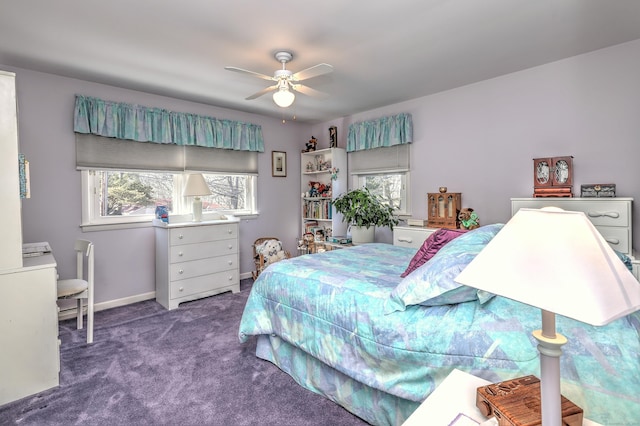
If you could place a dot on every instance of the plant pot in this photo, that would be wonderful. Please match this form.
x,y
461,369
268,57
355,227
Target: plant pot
x,y
362,234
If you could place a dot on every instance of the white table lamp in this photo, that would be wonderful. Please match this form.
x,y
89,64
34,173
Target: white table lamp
x,y
557,261
196,186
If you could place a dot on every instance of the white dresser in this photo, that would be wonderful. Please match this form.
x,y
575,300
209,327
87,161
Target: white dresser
x,y
195,260
611,216
411,236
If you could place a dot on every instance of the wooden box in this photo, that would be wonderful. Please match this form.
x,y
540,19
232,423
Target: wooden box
x,y
443,209
516,402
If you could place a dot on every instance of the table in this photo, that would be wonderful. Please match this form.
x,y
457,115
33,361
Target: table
x,y
455,395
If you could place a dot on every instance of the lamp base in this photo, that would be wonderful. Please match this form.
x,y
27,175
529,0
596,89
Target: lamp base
x,y
197,209
516,402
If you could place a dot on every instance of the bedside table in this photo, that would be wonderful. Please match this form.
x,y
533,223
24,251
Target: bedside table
x,y
455,395
411,236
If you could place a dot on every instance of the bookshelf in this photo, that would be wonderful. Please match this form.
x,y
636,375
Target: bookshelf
x,y
323,178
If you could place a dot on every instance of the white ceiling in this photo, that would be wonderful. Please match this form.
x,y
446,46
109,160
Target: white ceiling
x,y
383,52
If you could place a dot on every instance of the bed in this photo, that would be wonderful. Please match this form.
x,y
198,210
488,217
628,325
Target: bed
x,y
346,325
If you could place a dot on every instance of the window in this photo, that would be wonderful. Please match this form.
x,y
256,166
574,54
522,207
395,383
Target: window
x,y
390,186
385,172
115,197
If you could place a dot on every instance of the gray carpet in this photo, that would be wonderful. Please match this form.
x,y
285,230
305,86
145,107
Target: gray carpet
x,y
150,366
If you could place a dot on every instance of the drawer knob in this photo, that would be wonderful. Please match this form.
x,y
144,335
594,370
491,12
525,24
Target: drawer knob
x,y
230,246
180,271
405,240
180,236
181,289
613,215
230,277
230,262
180,254
230,231
613,241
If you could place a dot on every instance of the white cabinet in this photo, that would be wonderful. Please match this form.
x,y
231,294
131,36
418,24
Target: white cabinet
x,y
411,236
611,216
11,241
195,260
323,178
30,355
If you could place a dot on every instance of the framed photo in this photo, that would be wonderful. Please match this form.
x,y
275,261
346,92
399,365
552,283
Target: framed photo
x,y
278,164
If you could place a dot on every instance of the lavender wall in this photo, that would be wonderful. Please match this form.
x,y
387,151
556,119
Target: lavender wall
x,y
125,264
480,139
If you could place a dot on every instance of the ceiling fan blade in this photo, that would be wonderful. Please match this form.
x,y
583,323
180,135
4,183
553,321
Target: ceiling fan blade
x,y
314,71
262,92
306,90
256,74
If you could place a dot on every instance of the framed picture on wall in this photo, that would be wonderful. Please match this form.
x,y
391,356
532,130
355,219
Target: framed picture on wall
x,y
278,164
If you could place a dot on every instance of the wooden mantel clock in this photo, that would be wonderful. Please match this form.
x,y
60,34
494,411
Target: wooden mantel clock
x,y
553,176
443,209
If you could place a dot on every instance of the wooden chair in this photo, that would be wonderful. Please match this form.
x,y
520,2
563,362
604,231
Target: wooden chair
x,y
81,287
259,259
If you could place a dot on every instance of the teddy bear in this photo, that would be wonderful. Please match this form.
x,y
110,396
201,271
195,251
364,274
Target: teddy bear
x,y
271,251
468,219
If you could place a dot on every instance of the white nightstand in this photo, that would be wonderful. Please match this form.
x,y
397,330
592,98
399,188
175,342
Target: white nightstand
x,y
455,395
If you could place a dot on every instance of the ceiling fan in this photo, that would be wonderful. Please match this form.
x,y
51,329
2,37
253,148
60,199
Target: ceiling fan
x,y
287,81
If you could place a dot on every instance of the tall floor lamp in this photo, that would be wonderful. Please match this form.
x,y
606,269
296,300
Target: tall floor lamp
x,y
557,261
196,186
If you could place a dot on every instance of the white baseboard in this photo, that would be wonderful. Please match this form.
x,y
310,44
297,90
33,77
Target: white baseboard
x,y
71,312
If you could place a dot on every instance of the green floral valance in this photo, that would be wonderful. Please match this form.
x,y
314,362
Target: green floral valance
x,y
383,132
144,124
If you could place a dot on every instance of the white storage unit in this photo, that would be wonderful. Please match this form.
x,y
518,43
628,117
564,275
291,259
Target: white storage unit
x,y
30,355
195,260
611,216
411,236
317,166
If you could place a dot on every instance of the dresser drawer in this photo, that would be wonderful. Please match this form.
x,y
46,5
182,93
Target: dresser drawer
x,y
618,238
611,216
411,236
194,268
199,234
601,212
207,283
187,252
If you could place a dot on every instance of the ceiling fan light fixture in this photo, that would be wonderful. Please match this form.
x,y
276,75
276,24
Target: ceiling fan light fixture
x,y
283,97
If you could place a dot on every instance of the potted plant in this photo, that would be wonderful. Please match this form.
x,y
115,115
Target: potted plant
x,y
364,211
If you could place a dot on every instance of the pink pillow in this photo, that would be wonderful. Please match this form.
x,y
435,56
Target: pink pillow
x,y
430,247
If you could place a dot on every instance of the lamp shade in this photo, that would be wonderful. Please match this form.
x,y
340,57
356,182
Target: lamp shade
x,y
196,186
557,261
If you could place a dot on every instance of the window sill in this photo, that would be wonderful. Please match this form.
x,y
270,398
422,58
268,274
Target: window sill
x,y
86,227
147,223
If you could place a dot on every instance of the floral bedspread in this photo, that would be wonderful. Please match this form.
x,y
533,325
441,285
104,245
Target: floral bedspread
x,y
332,306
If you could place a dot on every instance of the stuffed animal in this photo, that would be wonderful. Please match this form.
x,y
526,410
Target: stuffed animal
x,y
271,250
311,145
468,219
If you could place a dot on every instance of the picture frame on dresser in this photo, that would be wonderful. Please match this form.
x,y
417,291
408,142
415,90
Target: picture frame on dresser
x,y
278,164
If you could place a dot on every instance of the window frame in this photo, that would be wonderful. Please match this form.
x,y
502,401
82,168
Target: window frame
x,y
92,220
